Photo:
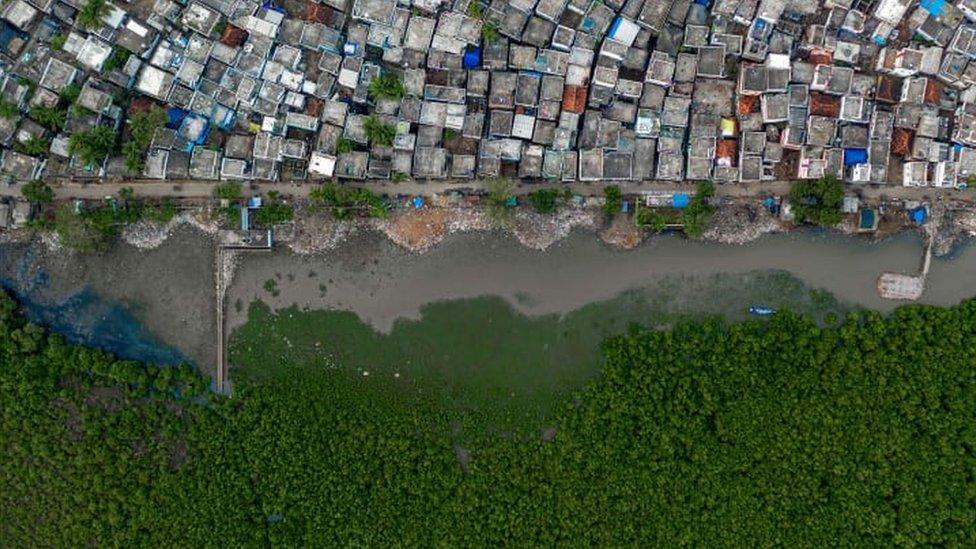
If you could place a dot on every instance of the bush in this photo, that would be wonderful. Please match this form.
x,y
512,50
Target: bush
x,y
117,60
142,127
698,213
69,94
344,145
489,33
231,190
91,14
545,201
34,146
817,202
51,118
611,200
386,86
92,147
344,201
497,205
57,41
8,109
273,213
379,133
37,192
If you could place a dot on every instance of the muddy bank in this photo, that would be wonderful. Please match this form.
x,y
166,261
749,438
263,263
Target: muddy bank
x,y
168,289
380,281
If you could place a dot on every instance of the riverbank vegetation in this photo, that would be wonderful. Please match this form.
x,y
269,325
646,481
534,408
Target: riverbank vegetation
x,y
761,433
817,202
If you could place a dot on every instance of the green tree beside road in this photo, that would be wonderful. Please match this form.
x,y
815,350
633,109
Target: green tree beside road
x,y
37,192
817,202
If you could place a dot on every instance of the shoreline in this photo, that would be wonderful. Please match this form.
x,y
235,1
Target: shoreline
x,y
155,271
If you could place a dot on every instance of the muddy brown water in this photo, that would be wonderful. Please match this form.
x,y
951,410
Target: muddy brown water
x,y
170,289
380,282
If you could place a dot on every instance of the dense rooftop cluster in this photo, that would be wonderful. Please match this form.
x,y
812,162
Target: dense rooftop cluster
x,y
870,91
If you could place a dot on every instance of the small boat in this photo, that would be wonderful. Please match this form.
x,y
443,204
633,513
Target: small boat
x,y
761,311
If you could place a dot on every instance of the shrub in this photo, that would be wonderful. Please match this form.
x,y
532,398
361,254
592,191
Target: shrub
x,y
37,192
379,133
231,190
51,118
545,201
91,14
611,199
92,147
386,86
9,109
34,146
817,202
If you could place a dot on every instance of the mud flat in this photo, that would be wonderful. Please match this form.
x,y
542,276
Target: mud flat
x,y
381,282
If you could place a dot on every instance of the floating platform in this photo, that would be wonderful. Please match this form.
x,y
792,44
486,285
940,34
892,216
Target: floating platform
x,y
900,286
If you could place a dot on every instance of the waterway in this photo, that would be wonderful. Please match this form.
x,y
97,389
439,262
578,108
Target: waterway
x,y
381,283
157,305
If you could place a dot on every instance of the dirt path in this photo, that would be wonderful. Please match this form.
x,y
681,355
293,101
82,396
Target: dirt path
x,y
204,189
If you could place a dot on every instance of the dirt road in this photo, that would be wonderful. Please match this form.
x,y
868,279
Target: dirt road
x,y
204,189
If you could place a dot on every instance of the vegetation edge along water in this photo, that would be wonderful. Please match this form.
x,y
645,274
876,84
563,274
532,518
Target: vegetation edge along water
x,y
761,433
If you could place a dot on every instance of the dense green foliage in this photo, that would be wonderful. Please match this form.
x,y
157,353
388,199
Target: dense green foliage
x,y
386,86
817,202
57,41
696,215
142,128
612,200
546,201
32,146
117,60
378,132
92,147
655,219
345,201
38,192
229,190
756,434
499,200
90,15
273,212
92,227
9,109
52,118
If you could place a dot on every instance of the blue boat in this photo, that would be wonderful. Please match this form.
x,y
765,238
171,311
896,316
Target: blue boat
x,y
761,311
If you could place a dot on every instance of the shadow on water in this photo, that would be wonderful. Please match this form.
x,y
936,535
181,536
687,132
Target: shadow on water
x,y
83,317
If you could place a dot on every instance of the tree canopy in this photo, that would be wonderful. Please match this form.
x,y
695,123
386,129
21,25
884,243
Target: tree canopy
x,y
92,147
386,86
754,434
817,202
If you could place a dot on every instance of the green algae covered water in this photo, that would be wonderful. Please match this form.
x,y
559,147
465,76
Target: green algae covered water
x,y
491,366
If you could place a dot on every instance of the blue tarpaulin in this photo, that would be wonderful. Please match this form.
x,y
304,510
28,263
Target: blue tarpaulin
x,y
472,58
935,7
680,200
176,116
918,215
418,202
855,156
